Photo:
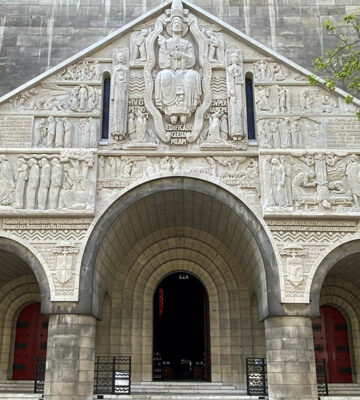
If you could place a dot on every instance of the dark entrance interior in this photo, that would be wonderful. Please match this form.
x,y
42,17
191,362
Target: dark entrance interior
x,y
331,344
181,329
30,341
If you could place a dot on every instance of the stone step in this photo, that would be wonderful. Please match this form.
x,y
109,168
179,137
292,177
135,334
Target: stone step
x,y
344,389
21,396
17,386
178,396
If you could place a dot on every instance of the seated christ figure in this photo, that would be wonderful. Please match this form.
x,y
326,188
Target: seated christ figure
x,y
177,85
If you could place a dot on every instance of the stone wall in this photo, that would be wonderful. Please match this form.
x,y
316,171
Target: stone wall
x,y
38,34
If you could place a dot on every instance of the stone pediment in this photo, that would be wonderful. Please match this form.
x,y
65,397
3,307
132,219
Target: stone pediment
x,y
177,105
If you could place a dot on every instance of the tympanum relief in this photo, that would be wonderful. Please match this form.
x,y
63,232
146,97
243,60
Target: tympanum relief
x,y
162,93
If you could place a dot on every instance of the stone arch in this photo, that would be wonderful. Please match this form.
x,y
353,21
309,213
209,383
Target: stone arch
x,y
91,279
23,252
339,253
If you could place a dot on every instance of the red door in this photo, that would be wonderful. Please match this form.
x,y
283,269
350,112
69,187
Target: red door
x,y
30,341
331,343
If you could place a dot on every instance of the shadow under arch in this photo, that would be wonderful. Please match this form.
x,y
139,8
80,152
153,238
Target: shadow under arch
x,y
339,254
90,299
27,256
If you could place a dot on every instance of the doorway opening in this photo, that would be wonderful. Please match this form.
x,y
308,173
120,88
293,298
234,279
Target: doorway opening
x,y
331,343
30,341
181,344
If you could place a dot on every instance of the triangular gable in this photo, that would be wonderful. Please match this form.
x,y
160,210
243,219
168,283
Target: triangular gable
x,y
109,39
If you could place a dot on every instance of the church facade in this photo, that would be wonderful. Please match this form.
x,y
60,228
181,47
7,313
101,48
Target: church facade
x,y
179,194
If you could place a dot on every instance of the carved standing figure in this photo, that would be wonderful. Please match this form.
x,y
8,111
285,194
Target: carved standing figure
x,y
285,133
288,178
262,95
68,132
352,174
278,181
83,97
283,99
45,175
269,199
140,127
57,178
214,135
7,182
234,83
33,183
39,132
140,52
93,133
59,133
23,176
51,130
216,46
177,84
119,84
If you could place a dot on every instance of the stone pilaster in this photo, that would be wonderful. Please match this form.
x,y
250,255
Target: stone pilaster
x,y
70,357
290,358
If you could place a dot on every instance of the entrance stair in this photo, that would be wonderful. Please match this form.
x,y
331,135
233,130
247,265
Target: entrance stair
x,y
22,390
338,391
182,391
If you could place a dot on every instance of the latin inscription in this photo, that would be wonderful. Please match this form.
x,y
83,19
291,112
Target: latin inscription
x,y
16,131
343,133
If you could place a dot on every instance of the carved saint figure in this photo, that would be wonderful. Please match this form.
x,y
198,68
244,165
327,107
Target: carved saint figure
x,y
288,178
59,133
216,46
93,133
262,95
283,99
278,181
177,84
234,82
119,94
33,183
306,100
140,127
68,132
214,135
299,184
57,177
83,97
262,70
327,104
51,130
285,135
140,52
45,175
23,176
7,182
39,132
352,174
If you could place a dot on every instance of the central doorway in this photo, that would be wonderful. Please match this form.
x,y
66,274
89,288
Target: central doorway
x,y
181,347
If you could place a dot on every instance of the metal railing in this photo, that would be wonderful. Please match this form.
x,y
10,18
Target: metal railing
x,y
39,374
112,375
256,380
321,378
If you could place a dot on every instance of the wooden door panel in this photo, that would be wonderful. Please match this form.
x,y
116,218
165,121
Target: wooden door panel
x,y
331,343
30,341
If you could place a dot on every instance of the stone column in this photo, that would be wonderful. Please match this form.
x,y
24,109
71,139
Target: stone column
x,y
290,358
70,357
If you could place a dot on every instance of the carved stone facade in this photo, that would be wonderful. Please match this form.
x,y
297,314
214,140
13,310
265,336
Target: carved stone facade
x,y
177,114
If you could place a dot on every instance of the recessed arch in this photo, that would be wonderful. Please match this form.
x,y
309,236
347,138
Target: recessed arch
x,y
339,256
144,204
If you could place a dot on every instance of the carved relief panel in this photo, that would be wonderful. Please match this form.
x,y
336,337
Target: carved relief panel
x,y
311,183
56,182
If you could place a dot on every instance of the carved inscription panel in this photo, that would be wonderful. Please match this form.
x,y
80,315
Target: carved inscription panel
x,y
15,131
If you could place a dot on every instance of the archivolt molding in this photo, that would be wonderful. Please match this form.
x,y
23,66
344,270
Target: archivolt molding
x,y
325,261
35,260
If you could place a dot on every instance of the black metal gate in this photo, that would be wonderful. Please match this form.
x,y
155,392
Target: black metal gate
x,y
322,384
39,374
256,376
112,375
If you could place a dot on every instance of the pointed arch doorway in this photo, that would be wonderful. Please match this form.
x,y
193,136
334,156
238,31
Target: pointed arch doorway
x,y
181,344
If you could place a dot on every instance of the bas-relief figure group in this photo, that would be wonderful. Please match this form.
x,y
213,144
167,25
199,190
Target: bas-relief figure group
x,y
54,182
178,83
